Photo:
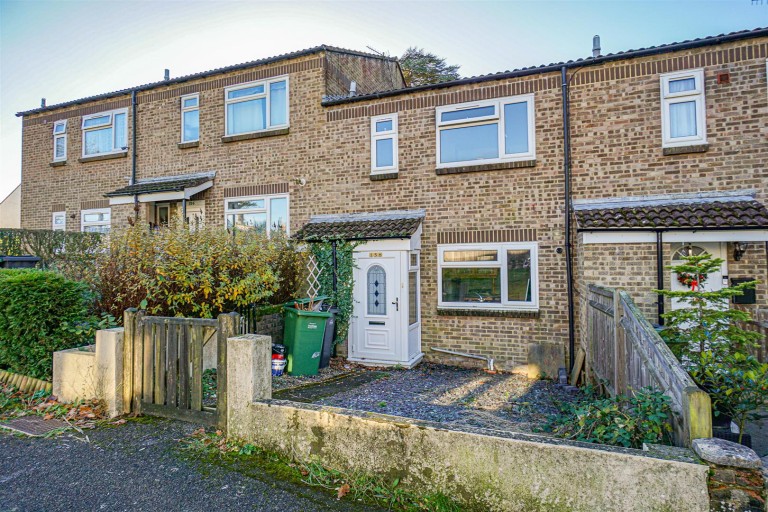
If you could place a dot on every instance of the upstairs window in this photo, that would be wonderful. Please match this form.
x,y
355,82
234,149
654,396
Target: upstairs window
x,y
105,133
190,118
59,221
486,132
60,140
95,221
683,119
384,144
256,106
261,213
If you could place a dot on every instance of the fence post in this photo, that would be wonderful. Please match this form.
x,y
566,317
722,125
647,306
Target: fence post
x,y
129,323
697,414
618,341
137,342
228,327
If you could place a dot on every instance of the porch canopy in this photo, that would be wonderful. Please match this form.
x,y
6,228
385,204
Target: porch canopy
x,y
706,216
165,188
392,224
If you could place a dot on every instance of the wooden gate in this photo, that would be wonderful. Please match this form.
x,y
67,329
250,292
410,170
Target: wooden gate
x,y
163,363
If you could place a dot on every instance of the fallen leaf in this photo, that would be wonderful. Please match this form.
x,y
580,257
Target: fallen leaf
x,y
119,422
49,416
343,491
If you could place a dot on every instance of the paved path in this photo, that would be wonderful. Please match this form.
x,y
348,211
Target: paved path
x,y
137,467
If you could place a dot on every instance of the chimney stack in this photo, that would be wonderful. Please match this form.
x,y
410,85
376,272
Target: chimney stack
x,y
596,46
167,74
42,103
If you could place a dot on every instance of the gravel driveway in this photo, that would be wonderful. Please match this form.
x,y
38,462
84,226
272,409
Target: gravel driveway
x,y
137,467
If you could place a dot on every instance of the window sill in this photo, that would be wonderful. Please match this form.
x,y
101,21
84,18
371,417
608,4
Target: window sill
x,y
108,156
440,171
508,313
682,150
58,163
190,144
384,176
255,135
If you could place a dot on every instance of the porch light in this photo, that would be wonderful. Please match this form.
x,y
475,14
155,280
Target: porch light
x,y
739,248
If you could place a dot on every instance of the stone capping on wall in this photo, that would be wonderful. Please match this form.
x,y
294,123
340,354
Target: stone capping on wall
x,y
441,171
255,135
186,145
58,163
92,205
486,236
384,176
255,190
95,158
682,150
510,313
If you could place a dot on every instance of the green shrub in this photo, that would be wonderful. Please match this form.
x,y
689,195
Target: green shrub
x,y
38,310
622,420
66,250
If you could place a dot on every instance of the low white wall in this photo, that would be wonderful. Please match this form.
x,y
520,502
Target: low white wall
x,y
94,373
496,470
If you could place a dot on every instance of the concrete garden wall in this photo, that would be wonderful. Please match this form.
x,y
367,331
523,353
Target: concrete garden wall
x,y
497,470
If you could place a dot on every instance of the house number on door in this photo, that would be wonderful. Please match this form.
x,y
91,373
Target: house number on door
x,y
374,255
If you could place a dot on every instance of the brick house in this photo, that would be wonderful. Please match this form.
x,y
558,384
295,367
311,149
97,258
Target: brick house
x,y
456,191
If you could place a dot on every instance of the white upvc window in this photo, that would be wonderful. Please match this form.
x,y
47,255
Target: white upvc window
x,y
683,108
60,140
59,221
105,132
96,220
384,144
260,213
190,118
485,132
256,106
488,276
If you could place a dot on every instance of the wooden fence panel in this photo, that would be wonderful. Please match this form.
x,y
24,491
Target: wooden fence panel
x,y
758,324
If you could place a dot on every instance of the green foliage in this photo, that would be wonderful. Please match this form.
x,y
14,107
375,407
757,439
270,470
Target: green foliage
x,y
425,68
622,420
343,298
41,312
177,271
68,251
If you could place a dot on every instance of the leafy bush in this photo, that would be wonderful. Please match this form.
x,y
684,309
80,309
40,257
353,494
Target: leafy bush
x,y
37,311
68,251
622,420
343,297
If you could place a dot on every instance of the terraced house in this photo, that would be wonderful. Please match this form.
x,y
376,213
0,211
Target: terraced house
x,y
484,205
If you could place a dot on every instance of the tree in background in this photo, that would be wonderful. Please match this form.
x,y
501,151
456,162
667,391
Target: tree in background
x,y
423,68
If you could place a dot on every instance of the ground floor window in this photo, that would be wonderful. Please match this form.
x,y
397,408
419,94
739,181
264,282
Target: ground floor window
x,y
95,221
59,221
261,213
488,276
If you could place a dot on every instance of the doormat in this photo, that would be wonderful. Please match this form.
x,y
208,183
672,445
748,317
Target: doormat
x,y
34,426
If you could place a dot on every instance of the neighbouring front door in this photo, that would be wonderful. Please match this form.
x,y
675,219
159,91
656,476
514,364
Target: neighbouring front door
x,y
375,330
713,282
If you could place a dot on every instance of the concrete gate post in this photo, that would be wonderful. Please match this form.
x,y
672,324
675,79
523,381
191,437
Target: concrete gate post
x,y
249,378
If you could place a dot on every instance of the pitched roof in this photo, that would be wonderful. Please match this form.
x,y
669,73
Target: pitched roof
x,y
163,184
362,226
203,74
699,211
556,66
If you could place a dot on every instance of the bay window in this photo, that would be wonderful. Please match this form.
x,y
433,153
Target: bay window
x,y
492,131
256,106
105,133
683,118
488,276
260,213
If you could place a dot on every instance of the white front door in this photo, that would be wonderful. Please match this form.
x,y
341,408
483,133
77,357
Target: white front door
x,y
713,282
375,330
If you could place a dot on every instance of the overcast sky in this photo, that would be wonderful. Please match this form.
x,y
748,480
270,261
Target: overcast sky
x,y
63,50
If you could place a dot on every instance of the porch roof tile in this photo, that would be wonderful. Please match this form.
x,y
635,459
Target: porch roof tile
x,y
164,184
362,226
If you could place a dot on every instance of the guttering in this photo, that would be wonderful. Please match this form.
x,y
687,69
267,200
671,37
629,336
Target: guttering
x,y
665,230
660,275
567,201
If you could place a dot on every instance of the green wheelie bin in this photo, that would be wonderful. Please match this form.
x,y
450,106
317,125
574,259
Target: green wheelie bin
x,y
303,337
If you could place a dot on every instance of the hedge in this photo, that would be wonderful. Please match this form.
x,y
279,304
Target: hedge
x,y
39,313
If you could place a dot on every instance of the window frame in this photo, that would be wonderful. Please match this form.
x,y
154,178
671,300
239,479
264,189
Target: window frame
x,y
501,263
697,95
189,109
267,203
63,227
57,136
496,117
111,114
266,95
389,134
84,224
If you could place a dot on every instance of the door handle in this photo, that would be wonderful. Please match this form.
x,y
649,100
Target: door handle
x,y
397,304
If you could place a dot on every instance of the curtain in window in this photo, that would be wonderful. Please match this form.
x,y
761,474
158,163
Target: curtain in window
x,y
98,141
277,106
120,139
384,153
246,116
682,119
682,85
191,125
